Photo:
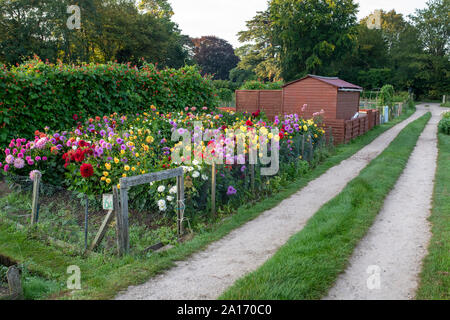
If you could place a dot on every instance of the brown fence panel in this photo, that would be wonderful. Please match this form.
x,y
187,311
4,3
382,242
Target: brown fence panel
x,y
247,100
270,102
338,129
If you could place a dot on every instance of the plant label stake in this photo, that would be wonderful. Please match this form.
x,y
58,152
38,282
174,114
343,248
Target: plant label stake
x,y
108,202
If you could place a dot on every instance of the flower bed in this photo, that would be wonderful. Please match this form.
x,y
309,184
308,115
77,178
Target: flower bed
x,y
93,156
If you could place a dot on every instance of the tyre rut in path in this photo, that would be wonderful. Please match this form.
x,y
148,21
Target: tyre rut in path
x,y
206,274
397,242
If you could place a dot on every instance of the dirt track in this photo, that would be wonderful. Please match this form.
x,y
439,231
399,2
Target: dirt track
x,y
397,242
208,273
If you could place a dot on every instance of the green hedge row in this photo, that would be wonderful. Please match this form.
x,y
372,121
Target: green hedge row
x,y
37,94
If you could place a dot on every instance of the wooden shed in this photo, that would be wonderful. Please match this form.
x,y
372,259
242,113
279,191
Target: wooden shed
x,y
338,98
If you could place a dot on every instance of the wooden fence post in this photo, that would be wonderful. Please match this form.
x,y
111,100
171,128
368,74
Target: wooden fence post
x,y
213,188
119,226
311,149
125,245
35,202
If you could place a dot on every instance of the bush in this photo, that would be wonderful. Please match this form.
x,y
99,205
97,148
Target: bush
x,y
258,85
386,96
36,94
225,95
444,124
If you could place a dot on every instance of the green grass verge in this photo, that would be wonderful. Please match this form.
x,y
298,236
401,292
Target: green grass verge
x,y
103,276
435,276
309,263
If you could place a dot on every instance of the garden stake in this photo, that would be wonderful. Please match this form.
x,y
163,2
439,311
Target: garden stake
x,y
252,176
180,205
86,215
213,188
303,146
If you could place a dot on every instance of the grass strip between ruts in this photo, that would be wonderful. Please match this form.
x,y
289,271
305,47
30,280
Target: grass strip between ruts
x,y
435,275
104,276
307,266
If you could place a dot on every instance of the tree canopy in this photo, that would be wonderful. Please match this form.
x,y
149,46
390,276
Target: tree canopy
x,y
110,30
296,37
214,56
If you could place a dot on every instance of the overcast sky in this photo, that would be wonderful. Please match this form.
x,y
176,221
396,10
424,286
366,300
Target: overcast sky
x,y
225,18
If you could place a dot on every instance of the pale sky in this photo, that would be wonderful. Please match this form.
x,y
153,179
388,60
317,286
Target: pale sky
x,y
225,18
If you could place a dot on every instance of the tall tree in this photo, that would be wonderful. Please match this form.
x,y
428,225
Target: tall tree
x,y
259,54
160,8
433,24
110,30
433,27
312,36
214,56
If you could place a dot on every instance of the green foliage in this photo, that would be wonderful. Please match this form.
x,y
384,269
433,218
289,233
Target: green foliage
x,y
401,96
215,56
374,78
311,36
444,124
36,94
218,84
111,30
386,96
225,94
3,271
260,57
258,85
238,75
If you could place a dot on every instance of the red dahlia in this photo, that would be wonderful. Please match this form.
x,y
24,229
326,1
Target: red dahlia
x,y
86,170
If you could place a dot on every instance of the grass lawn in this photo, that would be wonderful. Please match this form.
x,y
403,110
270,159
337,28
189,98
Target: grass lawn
x,y
435,276
307,266
103,276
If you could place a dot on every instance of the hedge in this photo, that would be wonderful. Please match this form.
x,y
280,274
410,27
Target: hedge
x,y
37,94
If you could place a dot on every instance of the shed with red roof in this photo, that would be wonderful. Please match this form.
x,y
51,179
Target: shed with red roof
x,y
338,99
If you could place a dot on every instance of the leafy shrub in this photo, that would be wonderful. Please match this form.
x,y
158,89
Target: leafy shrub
x,y
218,84
401,96
36,94
3,271
386,97
374,78
225,94
444,124
258,85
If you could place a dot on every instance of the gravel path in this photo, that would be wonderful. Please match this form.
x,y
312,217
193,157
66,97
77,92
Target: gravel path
x,y
387,262
207,274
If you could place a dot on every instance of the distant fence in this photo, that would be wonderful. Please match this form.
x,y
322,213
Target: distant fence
x,y
346,130
269,101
